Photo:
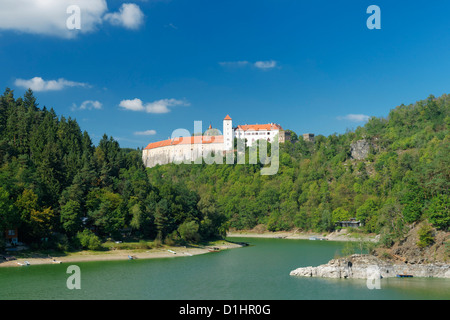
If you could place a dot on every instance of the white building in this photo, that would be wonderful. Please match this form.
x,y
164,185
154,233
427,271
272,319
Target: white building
x,y
254,132
191,149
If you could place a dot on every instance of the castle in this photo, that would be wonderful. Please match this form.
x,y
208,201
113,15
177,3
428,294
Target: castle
x,y
187,148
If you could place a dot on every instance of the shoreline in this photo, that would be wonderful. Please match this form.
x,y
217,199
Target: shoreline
x,y
341,235
163,252
371,267
115,255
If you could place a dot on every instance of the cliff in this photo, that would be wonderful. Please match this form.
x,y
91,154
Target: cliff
x,y
404,257
369,266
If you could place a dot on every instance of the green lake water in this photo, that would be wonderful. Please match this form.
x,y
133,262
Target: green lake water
x,y
257,272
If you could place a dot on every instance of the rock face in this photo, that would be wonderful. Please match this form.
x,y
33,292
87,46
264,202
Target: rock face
x,y
360,149
370,267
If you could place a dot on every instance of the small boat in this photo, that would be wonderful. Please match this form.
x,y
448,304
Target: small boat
x,y
56,261
214,249
171,251
317,238
404,276
132,257
26,263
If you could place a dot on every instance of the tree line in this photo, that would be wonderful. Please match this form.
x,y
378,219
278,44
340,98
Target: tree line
x,y
404,179
59,189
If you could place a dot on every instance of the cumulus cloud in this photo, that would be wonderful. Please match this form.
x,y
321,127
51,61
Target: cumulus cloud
x,y
38,84
159,106
355,117
129,16
145,133
88,105
50,17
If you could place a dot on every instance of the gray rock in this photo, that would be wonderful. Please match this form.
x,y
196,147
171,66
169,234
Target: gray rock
x,y
360,149
370,267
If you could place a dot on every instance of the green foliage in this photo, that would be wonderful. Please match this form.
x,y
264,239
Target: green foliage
x,y
425,234
438,212
54,180
318,183
188,231
88,240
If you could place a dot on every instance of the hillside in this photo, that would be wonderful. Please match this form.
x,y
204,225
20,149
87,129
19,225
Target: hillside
x,y
62,192
56,185
409,249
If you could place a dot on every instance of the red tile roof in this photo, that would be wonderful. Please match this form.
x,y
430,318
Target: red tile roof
x,y
185,140
227,117
258,127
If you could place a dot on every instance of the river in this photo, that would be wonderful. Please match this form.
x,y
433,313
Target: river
x,y
257,272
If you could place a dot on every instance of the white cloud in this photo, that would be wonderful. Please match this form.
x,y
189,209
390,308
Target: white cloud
x,y
159,106
262,65
38,84
88,105
133,105
234,64
355,117
265,65
129,16
50,17
145,133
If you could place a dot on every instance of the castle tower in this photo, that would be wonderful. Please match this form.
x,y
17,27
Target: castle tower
x,y
228,133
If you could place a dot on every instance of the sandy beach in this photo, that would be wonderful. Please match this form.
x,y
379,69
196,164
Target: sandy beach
x,y
83,256
173,252
341,235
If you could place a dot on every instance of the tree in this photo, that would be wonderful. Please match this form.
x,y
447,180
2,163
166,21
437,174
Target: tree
x,y
41,222
8,218
368,214
340,214
189,231
71,215
425,234
438,212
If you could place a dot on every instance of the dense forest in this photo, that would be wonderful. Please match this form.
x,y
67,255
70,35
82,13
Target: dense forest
x,y
61,191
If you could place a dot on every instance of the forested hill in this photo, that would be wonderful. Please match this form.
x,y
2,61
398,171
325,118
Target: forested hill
x,y
58,188
405,178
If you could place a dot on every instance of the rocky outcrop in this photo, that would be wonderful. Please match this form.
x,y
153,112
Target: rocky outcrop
x,y
360,149
371,267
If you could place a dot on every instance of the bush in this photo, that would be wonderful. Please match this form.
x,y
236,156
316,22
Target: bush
x,y
189,231
60,242
425,236
88,240
438,212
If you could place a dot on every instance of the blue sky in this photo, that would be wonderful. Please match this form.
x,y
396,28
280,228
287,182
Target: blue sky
x,y
137,70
